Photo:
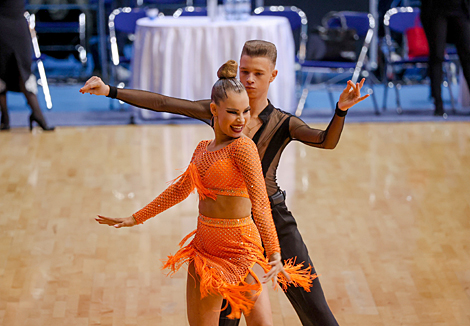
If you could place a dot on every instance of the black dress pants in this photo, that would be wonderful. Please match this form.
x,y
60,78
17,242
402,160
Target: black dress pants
x,y
437,25
311,307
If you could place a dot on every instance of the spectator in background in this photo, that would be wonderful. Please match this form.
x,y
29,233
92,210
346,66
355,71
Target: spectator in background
x,y
438,17
15,62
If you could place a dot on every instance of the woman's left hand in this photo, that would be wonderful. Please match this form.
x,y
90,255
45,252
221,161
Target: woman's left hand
x,y
351,95
276,268
116,222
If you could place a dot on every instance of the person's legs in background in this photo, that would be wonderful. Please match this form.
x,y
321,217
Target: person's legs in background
x,y
5,122
461,23
33,103
36,115
435,27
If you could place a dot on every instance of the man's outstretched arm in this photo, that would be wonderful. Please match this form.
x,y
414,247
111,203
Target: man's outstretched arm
x,y
329,137
151,101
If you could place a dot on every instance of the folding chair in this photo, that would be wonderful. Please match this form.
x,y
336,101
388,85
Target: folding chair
x,y
298,22
38,59
396,22
122,23
364,24
76,28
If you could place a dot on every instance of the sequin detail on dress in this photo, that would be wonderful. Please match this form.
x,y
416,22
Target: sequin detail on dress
x,y
224,251
234,170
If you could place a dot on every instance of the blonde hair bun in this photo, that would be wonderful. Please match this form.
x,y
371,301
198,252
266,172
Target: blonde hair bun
x,y
228,70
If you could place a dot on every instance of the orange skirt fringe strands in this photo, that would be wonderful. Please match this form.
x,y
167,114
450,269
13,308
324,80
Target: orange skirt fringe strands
x,y
224,251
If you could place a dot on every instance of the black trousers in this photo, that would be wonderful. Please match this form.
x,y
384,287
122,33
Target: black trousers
x,y
311,307
437,25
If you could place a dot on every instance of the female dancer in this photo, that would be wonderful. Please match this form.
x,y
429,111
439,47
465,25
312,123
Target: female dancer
x,y
225,257
271,130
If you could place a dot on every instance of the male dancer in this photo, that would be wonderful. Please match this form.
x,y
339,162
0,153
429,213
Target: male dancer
x,y
271,129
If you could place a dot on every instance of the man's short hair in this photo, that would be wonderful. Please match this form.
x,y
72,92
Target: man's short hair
x,y
259,48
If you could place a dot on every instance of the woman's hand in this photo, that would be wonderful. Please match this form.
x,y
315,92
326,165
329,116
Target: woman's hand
x,y
116,222
351,95
96,86
276,268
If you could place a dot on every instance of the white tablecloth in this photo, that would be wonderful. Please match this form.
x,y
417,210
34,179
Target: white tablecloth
x,y
464,94
180,57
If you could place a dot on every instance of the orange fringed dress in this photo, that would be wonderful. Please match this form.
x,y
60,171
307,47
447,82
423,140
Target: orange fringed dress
x,y
225,250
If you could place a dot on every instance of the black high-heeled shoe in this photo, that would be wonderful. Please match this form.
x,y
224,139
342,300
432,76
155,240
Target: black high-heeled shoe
x,y
4,123
40,122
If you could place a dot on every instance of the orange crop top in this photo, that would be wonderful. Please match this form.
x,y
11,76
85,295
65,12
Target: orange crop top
x,y
234,170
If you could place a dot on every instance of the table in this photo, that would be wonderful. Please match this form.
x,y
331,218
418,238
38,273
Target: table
x,y
464,94
180,57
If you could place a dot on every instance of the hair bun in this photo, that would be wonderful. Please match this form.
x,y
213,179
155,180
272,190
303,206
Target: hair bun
x,y
228,70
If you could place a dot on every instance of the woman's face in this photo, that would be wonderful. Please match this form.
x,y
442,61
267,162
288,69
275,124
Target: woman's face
x,y
233,114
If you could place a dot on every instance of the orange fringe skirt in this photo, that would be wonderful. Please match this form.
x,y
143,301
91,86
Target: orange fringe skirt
x,y
224,252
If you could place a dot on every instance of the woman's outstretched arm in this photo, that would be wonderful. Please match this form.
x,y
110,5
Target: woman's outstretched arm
x,y
178,191
174,194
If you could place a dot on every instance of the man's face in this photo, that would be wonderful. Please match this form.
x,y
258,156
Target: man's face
x,y
256,73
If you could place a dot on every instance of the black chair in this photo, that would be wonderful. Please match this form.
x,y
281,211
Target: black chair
x,y
363,23
65,36
298,22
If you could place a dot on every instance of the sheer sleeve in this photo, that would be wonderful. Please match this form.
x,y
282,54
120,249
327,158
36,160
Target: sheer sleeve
x,y
178,191
327,138
247,159
160,103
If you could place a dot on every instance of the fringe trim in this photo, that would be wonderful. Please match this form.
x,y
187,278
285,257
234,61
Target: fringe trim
x,y
300,277
192,173
211,282
237,295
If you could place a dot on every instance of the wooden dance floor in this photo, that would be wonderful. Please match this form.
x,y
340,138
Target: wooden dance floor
x,y
386,217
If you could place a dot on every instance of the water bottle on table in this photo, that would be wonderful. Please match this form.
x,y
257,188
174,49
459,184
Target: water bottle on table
x,y
229,6
244,9
212,10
